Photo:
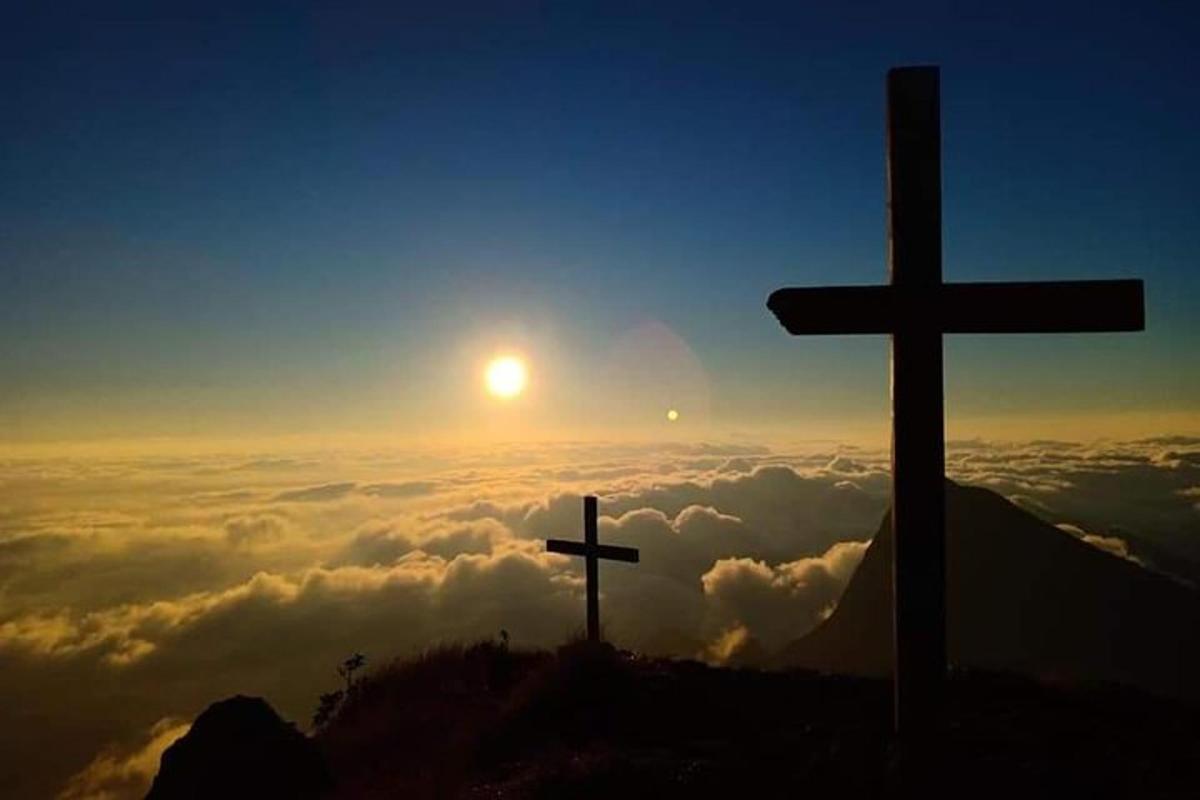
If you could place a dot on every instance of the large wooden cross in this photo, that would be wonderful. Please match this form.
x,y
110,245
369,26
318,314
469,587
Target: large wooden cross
x,y
592,551
916,308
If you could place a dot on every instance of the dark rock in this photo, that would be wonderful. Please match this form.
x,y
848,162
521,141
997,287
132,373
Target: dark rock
x,y
241,748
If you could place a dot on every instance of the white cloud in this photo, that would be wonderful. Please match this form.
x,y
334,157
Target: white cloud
x,y
315,494
251,529
132,590
1114,545
782,602
118,775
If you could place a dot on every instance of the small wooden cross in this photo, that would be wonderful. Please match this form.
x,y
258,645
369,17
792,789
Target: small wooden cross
x,y
592,551
916,308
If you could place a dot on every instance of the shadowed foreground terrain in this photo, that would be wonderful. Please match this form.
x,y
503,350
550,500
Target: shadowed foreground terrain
x,y
484,722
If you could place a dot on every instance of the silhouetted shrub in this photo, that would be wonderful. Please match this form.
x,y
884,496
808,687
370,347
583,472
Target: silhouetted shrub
x,y
348,667
329,703
327,706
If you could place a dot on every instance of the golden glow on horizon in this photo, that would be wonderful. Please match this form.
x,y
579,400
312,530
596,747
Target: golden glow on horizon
x,y
505,377
869,430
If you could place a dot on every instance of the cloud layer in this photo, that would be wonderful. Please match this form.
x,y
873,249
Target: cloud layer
x,y
149,588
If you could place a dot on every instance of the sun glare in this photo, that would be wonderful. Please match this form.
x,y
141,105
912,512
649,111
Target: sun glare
x,y
505,376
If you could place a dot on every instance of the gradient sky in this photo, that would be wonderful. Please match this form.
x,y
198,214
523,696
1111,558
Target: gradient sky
x,y
224,224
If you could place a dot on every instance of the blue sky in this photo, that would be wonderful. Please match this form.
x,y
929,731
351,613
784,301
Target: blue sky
x,y
294,218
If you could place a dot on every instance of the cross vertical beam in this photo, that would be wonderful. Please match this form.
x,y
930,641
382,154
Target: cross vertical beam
x,y
590,542
914,204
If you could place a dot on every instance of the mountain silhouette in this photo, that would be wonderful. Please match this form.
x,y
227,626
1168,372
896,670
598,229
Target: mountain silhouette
x,y
240,748
1024,596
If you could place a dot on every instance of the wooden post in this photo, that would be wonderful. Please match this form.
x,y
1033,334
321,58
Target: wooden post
x,y
590,540
918,439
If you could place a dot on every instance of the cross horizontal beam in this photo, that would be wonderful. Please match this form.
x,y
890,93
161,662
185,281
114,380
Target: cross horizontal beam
x,y
1032,307
605,551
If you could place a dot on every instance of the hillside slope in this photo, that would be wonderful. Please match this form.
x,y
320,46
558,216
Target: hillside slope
x,y
596,723
1023,595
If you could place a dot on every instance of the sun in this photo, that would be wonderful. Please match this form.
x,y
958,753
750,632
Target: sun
x,y
505,376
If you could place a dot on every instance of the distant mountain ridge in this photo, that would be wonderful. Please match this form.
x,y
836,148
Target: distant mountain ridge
x,y
1026,596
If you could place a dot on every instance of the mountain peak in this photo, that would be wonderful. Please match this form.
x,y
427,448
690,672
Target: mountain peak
x,y
1026,596
239,747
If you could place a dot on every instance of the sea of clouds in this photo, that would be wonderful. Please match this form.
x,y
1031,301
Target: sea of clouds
x,y
133,592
